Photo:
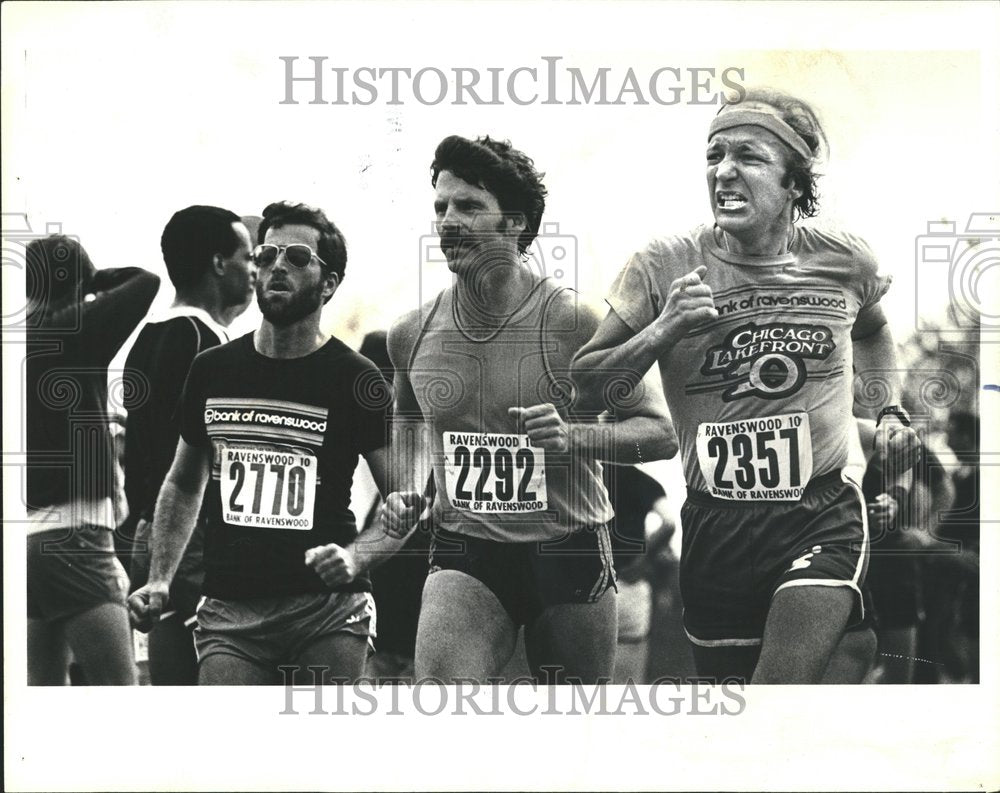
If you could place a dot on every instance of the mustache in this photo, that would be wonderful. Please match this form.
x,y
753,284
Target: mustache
x,y
453,238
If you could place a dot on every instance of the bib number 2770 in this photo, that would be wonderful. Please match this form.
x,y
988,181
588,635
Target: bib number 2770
x,y
494,473
758,459
268,488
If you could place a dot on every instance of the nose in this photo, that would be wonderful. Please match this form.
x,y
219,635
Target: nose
x,y
280,261
449,218
725,169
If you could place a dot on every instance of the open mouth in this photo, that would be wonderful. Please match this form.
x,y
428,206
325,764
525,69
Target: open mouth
x,y
727,199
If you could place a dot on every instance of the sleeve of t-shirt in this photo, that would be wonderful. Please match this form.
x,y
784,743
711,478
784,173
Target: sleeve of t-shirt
x,y
373,401
872,284
192,407
634,295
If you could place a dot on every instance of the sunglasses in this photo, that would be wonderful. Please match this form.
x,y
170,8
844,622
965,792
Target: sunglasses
x,y
297,254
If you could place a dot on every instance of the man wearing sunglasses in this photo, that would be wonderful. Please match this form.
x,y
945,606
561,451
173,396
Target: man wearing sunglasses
x,y
272,425
520,516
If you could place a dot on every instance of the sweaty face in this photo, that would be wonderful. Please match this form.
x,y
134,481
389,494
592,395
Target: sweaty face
x,y
285,293
471,224
241,272
746,168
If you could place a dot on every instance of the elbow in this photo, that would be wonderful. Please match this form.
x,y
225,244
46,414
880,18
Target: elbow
x,y
668,439
587,383
659,441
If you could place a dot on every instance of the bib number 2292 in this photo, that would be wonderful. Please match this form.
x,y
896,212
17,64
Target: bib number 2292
x,y
758,459
494,473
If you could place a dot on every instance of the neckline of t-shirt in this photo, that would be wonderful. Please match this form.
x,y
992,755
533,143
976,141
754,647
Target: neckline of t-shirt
x,y
259,355
788,257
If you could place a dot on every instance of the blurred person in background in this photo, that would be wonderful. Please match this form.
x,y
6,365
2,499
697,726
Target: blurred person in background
x,y
634,495
397,582
78,319
206,250
952,635
901,519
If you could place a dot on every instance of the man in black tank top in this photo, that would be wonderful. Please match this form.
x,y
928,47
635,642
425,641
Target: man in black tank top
x,y
520,513
272,425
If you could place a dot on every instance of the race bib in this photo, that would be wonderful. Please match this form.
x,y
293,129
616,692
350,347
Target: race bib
x,y
763,459
494,473
268,487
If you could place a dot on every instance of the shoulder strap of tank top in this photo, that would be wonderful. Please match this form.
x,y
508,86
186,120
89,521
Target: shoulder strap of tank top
x,y
423,330
557,385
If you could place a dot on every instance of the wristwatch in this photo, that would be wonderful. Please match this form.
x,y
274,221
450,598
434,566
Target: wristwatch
x,y
894,410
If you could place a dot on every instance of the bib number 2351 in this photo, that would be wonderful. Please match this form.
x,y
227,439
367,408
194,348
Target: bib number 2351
x,y
494,473
762,459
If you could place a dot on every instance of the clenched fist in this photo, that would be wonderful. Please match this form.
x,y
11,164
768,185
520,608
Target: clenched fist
x,y
146,604
401,511
543,425
899,446
334,564
689,304
882,512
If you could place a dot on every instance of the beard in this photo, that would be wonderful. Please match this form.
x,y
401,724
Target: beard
x,y
286,308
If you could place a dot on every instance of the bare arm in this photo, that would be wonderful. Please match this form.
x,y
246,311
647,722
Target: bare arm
x,y
393,469
875,362
396,518
173,523
875,354
177,509
635,427
616,358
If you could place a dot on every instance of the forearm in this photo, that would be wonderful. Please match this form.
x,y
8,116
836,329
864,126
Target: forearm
x,y
374,545
637,439
606,375
408,457
875,363
123,297
173,524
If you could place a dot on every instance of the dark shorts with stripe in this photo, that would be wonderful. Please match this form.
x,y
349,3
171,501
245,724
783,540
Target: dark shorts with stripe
x,y
736,555
71,571
528,577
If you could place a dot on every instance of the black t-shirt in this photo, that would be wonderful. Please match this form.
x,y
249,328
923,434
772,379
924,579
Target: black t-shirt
x,y
285,437
156,368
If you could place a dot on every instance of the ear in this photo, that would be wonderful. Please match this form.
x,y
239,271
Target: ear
x,y
515,221
794,191
331,281
218,264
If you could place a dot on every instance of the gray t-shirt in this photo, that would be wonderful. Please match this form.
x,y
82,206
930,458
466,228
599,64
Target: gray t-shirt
x,y
762,396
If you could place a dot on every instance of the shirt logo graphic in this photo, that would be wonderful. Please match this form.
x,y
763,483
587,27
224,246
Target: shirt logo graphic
x,y
767,361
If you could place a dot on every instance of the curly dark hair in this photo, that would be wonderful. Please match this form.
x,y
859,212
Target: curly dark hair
x,y
801,117
498,167
332,246
192,237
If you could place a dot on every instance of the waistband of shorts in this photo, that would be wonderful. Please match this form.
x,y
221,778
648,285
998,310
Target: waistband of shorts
x,y
816,485
441,533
